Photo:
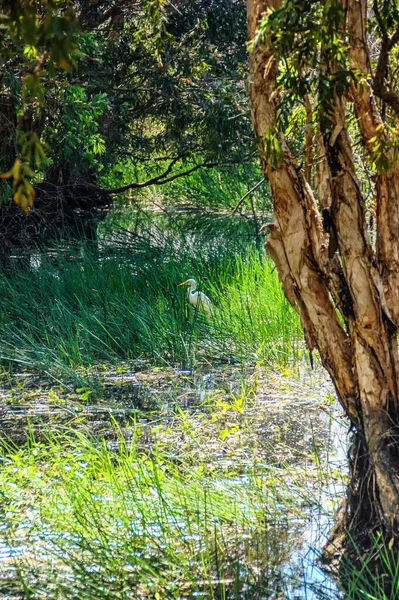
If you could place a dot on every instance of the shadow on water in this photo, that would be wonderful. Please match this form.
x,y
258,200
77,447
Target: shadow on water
x,y
282,420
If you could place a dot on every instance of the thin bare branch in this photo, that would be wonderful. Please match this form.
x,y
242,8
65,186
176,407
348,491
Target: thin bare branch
x,y
245,196
308,139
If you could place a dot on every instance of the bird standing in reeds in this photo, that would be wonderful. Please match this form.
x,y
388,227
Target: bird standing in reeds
x,y
198,300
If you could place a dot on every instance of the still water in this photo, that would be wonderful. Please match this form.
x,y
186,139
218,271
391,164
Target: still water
x,y
285,418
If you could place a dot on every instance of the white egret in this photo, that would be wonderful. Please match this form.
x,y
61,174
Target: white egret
x,y
199,300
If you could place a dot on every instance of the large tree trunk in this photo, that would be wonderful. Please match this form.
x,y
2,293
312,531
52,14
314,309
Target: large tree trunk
x,y
346,292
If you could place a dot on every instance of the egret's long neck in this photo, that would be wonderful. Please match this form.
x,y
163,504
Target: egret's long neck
x,y
193,287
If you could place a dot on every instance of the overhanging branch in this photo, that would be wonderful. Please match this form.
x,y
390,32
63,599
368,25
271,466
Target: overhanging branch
x,y
166,177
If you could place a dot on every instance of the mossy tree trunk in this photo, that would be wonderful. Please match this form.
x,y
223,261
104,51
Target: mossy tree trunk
x,y
344,288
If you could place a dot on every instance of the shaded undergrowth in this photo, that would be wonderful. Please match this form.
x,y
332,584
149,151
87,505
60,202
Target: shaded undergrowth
x,y
366,571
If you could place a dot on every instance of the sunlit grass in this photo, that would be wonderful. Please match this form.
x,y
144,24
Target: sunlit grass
x,y
221,188
188,505
155,514
252,316
80,307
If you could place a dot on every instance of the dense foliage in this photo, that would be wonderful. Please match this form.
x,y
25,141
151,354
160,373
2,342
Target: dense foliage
x,y
36,40
114,94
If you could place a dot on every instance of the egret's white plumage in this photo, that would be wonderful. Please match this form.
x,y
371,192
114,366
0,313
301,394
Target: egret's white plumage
x,y
199,300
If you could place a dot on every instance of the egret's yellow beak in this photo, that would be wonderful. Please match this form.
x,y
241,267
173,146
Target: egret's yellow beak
x,y
184,283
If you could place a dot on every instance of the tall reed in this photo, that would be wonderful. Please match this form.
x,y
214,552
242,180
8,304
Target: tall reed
x,y
87,519
79,306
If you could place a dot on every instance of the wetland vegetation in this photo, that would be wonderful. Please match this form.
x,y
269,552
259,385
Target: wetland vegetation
x,y
149,450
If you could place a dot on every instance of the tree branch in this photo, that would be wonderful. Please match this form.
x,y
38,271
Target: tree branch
x,y
380,87
241,200
370,123
379,20
159,179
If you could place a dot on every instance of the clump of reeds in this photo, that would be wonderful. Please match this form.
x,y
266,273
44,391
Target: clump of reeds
x,y
78,306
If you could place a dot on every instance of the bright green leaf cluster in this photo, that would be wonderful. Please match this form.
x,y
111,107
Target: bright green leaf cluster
x,y
308,38
44,35
384,148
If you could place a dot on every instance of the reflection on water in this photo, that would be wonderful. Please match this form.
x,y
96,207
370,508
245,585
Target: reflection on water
x,y
284,421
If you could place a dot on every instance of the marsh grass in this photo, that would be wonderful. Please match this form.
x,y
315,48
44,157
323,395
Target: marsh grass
x,y
190,504
79,306
153,516
369,575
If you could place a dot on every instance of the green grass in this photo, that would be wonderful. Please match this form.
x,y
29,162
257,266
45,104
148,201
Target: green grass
x,y
83,307
221,188
218,188
371,574
137,519
158,515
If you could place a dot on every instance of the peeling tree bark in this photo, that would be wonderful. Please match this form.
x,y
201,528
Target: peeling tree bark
x,y
327,266
387,184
